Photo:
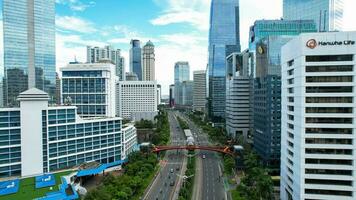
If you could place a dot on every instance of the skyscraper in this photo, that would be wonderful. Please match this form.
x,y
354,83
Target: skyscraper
x,y
29,48
199,90
148,62
181,74
135,58
224,39
327,14
318,117
96,54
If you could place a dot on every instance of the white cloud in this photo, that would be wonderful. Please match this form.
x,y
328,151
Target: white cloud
x,y
193,12
349,15
74,24
76,5
69,47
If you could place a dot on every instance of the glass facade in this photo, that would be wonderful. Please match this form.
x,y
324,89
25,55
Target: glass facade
x,y
87,90
224,39
10,143
29,47
135,58
181,74
267,100
327,14
265,28
70,144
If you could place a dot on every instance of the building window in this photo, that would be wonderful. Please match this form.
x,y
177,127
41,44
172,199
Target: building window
x,y
290,63
328,100
320,79
329,89
328,192
329,58
328,182
329,68
328,161
328,110
327,141
328,171
328,151
329,120
328,130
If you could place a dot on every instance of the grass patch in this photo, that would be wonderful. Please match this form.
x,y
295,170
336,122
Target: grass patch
x,y
236,195
27,188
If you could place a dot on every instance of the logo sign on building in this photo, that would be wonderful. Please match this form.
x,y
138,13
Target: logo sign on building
x,y
312,43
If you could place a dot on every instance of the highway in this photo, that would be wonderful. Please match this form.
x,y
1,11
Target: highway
x,y
161,188
212,186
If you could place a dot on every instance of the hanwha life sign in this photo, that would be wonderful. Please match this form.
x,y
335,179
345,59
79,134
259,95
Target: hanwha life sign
x,y
311,43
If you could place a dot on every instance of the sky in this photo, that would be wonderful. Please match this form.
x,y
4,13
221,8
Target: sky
x,y
178,28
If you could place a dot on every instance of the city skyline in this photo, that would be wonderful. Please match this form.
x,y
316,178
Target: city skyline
x,y
76,21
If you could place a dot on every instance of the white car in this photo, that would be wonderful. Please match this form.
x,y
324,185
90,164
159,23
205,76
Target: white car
x,y
203,156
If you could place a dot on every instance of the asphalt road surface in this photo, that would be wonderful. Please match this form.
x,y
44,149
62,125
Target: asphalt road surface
x,y
161,188
212,181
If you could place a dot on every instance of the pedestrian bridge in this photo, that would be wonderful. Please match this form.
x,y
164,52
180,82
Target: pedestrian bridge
x,y
221,149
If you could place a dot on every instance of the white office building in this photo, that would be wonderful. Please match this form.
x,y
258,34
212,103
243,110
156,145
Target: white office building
x,y
238,108
37,138
199,90
319,117
90,87
136,100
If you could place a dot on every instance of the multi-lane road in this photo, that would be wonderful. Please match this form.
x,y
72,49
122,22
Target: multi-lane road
x,y
165,185
212,185
209,184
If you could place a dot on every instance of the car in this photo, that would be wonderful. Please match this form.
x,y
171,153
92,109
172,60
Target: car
x,y
177,168
203,156
171,183
171,170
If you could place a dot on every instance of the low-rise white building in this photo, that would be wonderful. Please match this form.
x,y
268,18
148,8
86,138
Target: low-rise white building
x,y
37,138
136,100
129,140
318,117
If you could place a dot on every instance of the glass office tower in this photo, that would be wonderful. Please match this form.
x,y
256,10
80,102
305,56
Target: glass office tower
x,y
224,39
135,58
327,14
29,48
181,74
264,28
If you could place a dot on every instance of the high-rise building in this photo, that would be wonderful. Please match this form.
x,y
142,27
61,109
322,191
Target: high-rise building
x,y
224,39
327,14
239,115
136,100
199,90
187,93
90,87
29,48
148,62
181,74
136,58
318,117
47,139
267,101
171,95
264,28
266,39
108,53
